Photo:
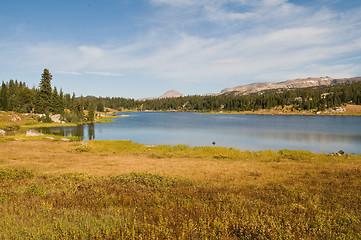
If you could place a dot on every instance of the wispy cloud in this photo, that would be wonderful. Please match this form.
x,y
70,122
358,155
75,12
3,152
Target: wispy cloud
x,y
107,74
68,73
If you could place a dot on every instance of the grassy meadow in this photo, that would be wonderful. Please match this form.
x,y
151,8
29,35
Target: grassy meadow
x,y
51,189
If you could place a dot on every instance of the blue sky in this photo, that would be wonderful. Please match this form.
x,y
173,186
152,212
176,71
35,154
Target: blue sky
x,y
142,48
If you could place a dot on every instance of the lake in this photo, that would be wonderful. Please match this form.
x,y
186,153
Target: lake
x,y
244,132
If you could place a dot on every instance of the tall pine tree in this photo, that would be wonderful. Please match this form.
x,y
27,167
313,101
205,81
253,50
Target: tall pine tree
x,y
44,98
4,97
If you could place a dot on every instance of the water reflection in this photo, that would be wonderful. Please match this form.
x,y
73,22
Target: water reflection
x,y
78,131
296,136
251,132
91,131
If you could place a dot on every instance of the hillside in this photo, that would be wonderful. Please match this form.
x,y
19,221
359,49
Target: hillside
x,y
289,84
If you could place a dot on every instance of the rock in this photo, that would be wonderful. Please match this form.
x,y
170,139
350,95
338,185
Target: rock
x,y
341,152
50,138
15,118
65,139
2,132
32,133
55,118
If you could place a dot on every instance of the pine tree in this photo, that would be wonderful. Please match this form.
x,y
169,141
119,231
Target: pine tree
x,y
55,99
91,112
4,97
61,103
12,91
44,97
100,107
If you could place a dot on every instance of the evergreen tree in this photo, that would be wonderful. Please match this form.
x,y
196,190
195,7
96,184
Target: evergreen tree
x,y
79,111
44,98
56,102
61,103
91,112
12,90
25,100
4,97
100,107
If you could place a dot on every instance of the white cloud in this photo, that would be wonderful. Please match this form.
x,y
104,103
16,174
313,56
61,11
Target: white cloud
x,y
68,73
107,74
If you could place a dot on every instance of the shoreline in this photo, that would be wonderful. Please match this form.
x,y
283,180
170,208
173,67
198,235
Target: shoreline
x,y
171,148
23,120
12,121
349,110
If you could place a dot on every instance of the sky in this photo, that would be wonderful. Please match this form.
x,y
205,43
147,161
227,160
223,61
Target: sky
x,y
143,48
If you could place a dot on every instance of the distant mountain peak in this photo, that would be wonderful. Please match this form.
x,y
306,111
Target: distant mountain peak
x,y
171,94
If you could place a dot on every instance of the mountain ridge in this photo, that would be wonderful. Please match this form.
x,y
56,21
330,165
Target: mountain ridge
x,y
288,84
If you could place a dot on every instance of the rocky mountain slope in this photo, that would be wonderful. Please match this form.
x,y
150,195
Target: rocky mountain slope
x,y
297,83
168,94
171,94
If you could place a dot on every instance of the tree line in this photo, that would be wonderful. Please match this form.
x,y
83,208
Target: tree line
x,y
313,98
16,96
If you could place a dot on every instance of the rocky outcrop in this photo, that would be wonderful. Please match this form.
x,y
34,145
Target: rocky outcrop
x,y
289,84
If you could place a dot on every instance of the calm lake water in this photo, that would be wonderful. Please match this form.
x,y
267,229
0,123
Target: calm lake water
x,y
245,132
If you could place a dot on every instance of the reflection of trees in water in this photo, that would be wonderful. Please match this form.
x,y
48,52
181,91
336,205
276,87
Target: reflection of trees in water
x,y
77,131
91,131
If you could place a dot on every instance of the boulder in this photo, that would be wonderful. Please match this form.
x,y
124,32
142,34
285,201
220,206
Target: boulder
x,y
2,132
55,118
340,152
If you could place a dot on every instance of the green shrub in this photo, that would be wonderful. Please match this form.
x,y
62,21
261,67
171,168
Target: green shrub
x,y
83,148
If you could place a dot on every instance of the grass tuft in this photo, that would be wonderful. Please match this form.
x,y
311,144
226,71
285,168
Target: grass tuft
x,y
83,148
16,173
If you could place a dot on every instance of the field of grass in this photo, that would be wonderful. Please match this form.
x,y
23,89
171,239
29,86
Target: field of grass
x,y
50,189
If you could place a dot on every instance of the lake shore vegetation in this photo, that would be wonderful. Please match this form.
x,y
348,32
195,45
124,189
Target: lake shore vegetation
x,y
51,189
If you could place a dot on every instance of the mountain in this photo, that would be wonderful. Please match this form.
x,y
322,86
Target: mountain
x,y
168,94
171,94
289,84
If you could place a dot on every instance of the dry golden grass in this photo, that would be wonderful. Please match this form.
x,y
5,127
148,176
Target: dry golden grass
x,y
118,157
122,190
